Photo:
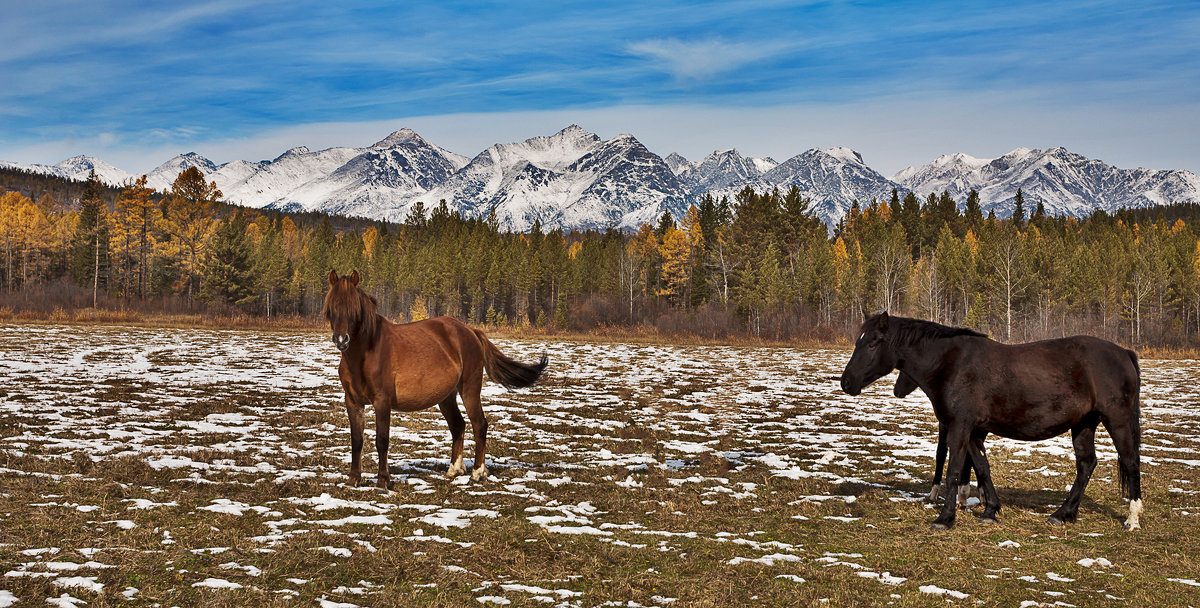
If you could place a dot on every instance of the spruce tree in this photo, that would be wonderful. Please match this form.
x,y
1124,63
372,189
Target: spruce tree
x,y
228,264
1018,215
89,248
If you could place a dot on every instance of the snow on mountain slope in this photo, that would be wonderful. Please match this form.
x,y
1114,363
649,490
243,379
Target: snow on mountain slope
x,y
571,179
78,168
163,176
1065,182
832,178
679,165
632,186
379,179
574,179
288,173
722,169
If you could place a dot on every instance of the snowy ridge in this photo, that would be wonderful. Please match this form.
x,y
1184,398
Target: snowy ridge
x,y
77,168
1065,182
574,179
163,176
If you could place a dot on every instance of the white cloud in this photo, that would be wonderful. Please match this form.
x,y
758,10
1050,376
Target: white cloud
x,y
699,59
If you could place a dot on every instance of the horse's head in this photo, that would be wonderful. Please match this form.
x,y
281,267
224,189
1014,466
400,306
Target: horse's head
x,y
904,385
872,359
350,312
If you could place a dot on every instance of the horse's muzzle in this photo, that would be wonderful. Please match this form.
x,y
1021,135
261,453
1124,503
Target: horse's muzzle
x,y
341,341
850,388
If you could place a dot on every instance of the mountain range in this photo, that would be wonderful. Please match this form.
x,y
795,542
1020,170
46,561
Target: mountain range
x,y
575,179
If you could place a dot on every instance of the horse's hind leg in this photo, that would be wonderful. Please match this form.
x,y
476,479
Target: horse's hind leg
x,y
957,439
472,384
1083,436
1126,439
454,418
983,475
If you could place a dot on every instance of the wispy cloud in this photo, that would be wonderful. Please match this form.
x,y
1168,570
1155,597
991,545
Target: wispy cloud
x,y
230,71
699,59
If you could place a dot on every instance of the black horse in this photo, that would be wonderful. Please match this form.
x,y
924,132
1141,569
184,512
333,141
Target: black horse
x,y
906,385
1029,392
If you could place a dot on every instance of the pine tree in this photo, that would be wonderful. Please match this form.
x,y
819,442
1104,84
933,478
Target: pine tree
x,y
89,250
227,264
972,212
1018,215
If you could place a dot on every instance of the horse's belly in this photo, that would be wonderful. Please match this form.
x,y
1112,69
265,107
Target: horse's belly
x,y
1030,430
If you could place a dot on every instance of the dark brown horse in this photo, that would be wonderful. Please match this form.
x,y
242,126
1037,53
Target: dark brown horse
x,y
410,367
1028,392
906,385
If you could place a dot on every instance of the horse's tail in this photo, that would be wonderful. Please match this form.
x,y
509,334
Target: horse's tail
x,y
509,373
1130,485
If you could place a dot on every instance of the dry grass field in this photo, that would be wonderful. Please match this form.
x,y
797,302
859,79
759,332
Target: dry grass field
x,y
167,467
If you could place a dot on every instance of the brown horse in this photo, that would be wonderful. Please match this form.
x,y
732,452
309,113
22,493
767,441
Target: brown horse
x,y
410,367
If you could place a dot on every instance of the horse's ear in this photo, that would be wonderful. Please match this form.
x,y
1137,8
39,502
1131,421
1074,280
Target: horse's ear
x,y
866,315
354,278
333,278
883,321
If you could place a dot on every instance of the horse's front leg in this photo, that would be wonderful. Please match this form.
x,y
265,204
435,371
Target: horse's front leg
x,y
940,457
355,413
957,437
383,432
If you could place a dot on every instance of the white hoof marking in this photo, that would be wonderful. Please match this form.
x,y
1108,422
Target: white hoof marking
x,y
933,493
478,474
1135,512
456,469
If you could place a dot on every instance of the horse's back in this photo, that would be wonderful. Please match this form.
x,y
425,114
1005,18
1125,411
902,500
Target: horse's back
x,y
1039,389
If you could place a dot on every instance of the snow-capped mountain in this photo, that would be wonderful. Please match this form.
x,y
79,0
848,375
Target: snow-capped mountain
x,y
575,179
571,179
722,169
163,176
377,180
1065,182
627,186
832,178
679,165
77,168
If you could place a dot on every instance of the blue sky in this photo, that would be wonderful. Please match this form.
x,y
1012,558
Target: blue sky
x,y
901,82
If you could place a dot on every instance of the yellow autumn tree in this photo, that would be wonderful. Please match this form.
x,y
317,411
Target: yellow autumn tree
x,y
675,252
132,237
9,203
33,231
189,220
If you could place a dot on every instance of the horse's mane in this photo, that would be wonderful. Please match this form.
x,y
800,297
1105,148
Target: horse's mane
x,y
350,301
916,331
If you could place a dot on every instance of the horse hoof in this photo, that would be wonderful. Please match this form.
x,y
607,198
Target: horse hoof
x,y
479,474
936,527
988,520
1132,527
1054,521
933,493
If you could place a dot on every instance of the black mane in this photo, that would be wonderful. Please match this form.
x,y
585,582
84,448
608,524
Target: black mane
x,y
914,331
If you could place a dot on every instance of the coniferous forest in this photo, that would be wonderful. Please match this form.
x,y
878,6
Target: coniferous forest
x,y
760,265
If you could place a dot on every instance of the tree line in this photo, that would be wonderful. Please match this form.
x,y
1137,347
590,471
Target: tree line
x,y
761,264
